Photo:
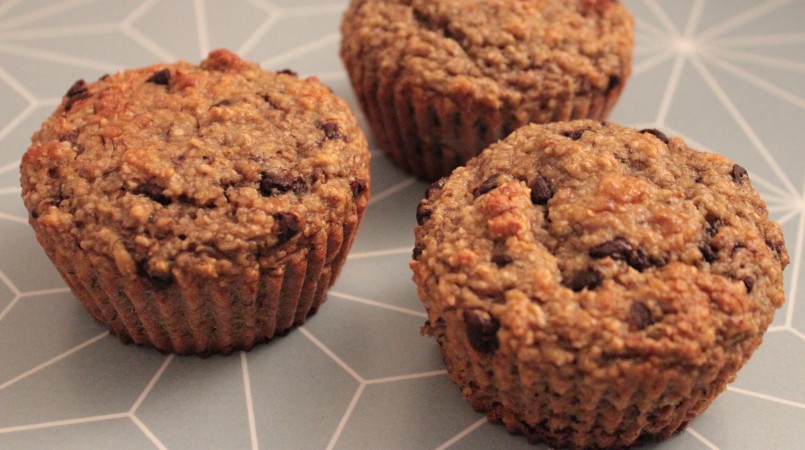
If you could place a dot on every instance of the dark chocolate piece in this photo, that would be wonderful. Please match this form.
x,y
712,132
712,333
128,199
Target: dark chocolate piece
x,y
482,330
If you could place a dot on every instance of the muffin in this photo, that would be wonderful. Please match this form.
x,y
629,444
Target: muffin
x,y
439,80
199,209
594,286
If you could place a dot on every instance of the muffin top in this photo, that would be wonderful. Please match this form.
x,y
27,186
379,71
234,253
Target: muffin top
x,y
208,169
599,244
496,52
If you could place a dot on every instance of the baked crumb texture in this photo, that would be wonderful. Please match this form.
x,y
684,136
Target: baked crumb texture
x,y
199,209
595,286
440,80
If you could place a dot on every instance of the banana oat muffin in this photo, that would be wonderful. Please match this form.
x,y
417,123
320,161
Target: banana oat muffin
x,y
592,286
199,209
439,80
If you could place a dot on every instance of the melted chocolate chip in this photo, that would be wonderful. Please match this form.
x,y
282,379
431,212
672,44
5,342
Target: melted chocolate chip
x,y
288,72
56,200
541,190
78,91
738,174
161,77
482,330
417,252
714,223
158,282
423,212
640,261
708,252
435,187
749,283
586,279
502,260
614,82
618,248
657,133
488,185
622,250
331,131
79,87
640,315
357,187
287,226
574,135
154,192
273,185
775,247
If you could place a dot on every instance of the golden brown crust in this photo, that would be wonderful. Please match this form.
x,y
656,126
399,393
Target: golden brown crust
x,y
203,183
591,283
440,80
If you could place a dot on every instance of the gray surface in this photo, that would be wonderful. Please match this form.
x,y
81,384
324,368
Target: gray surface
x,y
358,375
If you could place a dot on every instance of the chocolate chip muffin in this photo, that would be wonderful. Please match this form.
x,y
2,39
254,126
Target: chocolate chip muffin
x,y
199,209
439,80
591,285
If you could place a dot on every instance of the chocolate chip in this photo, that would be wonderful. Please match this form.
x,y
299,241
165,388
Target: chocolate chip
x,y
435,187
586,279
154,192
738,174
423,212
103,77
273,185
78,91
541,190
749,283
482,330
502,260
160,77
775,247
287,226
417,252
158,282
357,187
657,133
79,87
288,72
640,315
708,252
614,82
488,185
331,131
56,200
618,248
621,249
714,223
574,135
640,261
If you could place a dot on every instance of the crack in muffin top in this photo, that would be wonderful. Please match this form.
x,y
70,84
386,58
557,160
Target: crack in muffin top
x,y
514,51
211,167
591,235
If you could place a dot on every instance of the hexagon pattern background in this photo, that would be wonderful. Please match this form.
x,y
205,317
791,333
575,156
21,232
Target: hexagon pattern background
x,y
727,75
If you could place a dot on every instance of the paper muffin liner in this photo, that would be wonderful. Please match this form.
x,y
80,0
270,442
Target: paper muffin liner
x,y
197,315
429,135
564,412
